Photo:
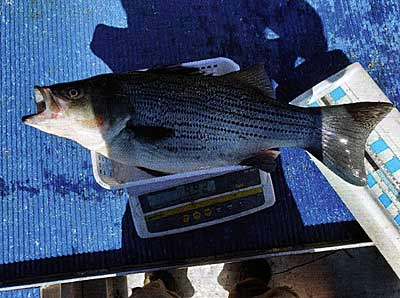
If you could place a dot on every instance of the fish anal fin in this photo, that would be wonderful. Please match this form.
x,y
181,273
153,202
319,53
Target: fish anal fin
x,y
264,160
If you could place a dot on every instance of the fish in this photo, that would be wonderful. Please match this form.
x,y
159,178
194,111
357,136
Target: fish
x,y
174,119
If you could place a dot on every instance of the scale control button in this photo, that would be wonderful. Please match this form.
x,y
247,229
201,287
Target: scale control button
x,y
208,212
186,218
196,215
230,206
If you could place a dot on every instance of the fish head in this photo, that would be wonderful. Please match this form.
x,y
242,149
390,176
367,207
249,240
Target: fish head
x,y
89,112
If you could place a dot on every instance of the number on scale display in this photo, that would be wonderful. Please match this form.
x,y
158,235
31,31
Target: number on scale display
x,y
180,194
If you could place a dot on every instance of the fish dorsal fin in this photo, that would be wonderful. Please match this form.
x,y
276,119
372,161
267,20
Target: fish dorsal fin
x,y
176,69
254,76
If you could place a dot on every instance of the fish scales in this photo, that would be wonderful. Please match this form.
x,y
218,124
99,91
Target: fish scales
x,y
243,118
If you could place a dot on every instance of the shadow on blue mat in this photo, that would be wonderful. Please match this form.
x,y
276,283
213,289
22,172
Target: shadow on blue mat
x,y
278,33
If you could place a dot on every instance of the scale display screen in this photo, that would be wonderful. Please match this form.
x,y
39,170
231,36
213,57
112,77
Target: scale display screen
x,y
194,191
179,195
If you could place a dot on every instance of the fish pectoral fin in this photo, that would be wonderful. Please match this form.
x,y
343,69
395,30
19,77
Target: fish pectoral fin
x,y
254,76
264,160
176,69
150,132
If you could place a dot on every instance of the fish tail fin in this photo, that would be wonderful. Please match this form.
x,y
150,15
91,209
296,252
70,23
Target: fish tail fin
x,y
343,136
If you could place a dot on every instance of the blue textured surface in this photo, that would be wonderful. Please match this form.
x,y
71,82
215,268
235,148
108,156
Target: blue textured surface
x,y
28,293
51,207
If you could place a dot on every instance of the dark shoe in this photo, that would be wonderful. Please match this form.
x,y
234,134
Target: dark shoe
x,y
254,276
165,276
281,292
258,269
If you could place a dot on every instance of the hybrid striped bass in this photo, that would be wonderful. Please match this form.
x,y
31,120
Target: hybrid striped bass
x,y
171,121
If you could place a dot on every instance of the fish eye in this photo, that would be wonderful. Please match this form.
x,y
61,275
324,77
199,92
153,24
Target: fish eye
x,y
73,93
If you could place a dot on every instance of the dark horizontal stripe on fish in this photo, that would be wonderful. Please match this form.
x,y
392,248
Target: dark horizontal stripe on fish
x,y
298,128
222,129
175,149
193,135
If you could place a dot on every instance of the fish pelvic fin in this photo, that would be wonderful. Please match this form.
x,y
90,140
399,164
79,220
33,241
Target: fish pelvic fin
x,y
342,137
264,160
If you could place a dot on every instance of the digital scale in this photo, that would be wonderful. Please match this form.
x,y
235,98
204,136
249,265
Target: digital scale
x,y
185,207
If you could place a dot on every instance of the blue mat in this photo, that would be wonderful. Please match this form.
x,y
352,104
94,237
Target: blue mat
x,y
50,204
29,293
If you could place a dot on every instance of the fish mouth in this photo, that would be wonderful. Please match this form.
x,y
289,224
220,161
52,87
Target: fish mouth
x,y
43,98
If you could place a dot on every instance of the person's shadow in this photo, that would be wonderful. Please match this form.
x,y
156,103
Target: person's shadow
x,y
278,33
